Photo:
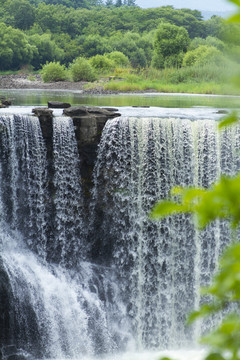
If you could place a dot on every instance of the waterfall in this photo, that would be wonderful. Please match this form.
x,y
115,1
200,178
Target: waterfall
x,y
79,281
68,225
161,264
57,305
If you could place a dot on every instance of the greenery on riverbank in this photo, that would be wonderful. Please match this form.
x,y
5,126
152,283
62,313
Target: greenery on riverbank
x,y
208,79
163,49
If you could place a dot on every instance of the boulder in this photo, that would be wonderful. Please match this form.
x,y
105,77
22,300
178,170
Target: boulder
x,y
58,105
76,111
43,112
6,102
110,109
222,112
90,111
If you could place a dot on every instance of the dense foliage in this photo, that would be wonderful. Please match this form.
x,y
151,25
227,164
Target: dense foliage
x,y
34,32
81,70
53,72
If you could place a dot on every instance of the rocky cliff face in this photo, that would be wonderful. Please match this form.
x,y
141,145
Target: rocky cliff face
x,y
89,123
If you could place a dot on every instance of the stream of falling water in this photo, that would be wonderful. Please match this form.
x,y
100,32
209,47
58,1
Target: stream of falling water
x,y
117,282
162,264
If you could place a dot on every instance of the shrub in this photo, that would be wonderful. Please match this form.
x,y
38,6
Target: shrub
x,y
119,58
53,71
102,63
138,58
81,70
174,61
120,72
203,55
157,61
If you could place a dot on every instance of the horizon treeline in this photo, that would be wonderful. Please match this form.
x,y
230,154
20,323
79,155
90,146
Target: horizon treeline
x,y
34,32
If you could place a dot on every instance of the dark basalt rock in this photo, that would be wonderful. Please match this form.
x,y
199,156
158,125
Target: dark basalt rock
x,y
10,352
42,112
90,110
6,102
45,116
110,109
89,122
222,112
16,357
6,313
144,106
58,105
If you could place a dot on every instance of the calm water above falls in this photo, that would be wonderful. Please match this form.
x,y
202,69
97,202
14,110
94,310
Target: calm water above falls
x,y
32,97
114,281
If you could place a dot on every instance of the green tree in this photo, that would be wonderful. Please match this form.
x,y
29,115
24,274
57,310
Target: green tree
x,y
209,41
109,3
95,45
214,26
129,3
75,3
69,46
118,3
203,55
118,58
22,12
129,45
170,40
81,70
46,50
102,63
15,50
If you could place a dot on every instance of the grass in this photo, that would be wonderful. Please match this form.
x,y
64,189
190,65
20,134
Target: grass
x,y
9,72
208,79
194,88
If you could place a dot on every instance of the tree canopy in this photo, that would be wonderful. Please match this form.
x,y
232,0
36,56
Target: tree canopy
x,y
62,30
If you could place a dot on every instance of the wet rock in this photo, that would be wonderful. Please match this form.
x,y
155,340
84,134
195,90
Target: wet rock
x,y
222,112
75,111
45,116
9,350
90,111
58,105
6,313
136,106
16,357
89,122
110,109
43,112
6,102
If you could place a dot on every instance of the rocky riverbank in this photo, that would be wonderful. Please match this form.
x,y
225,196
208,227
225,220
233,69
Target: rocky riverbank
x,y
22,81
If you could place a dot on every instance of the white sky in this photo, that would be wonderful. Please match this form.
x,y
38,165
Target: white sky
x,y
207,5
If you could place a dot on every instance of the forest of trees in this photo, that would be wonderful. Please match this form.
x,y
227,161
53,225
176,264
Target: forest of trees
x,y
34,32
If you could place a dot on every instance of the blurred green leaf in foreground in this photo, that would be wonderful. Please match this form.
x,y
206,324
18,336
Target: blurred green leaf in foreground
x,y
221,201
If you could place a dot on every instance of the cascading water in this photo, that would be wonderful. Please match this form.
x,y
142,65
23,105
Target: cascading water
x,y
161,264
53,312
78,284
68,225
